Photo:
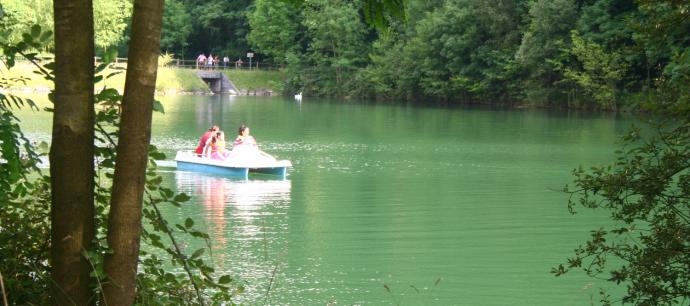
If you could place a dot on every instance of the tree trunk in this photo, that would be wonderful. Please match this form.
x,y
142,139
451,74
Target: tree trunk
x,y
72,153
124,221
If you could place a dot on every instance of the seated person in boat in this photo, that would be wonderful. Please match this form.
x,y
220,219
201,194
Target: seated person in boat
x,y
246,150
215,147
243,137
204,139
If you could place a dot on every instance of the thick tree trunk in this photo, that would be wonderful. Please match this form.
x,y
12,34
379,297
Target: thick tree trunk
x,y
124,221
72,153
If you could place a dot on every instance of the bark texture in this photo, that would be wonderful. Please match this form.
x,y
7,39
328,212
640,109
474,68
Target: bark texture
x,y
124,221
71,153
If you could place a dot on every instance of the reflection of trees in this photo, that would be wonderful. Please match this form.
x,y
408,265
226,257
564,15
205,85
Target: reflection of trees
x,y
250,240
214,112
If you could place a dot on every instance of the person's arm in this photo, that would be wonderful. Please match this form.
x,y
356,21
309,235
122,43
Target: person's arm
x,y
207,147
252,141
205,152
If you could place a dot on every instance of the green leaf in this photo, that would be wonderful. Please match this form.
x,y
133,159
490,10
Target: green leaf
x,y
198,253
45,36
158,107
224,279
181,197
157,155
27,39
156,181
167,192
35,30
108,94
189,223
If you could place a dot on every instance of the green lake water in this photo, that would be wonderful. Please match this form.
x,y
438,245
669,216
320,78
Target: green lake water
x,y
394,195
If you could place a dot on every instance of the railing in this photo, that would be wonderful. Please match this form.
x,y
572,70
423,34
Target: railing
x,y
187,64
192,64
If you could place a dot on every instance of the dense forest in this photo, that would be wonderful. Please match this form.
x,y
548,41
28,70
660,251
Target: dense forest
x,y
563,53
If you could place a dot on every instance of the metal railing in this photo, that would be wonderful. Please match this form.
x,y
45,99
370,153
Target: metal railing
x,y
186,64
193,64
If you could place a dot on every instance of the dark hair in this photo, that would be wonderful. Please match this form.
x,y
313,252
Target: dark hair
x,y
241,129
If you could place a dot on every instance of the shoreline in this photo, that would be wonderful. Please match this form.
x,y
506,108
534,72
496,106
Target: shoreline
x,y
170,81
166,92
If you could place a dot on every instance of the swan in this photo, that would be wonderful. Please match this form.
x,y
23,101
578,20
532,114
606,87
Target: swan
x,y
298,96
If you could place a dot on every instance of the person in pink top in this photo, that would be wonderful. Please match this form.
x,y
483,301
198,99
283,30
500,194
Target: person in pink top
x,y
204,139
200,60
215,147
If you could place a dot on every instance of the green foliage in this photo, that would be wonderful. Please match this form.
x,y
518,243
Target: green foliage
x,y
20,15
539,54
255,79
25,196
463,50
383,77
156,284
218,26
177,26
274,27
25,210
606,22
110,21
647,192
165,59
600,72
375,12
336,47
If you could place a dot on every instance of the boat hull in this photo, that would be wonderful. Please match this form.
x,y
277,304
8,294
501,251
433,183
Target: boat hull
x,y
188,161
225,171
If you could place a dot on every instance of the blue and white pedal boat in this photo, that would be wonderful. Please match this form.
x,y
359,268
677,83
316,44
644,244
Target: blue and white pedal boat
x,y
190,161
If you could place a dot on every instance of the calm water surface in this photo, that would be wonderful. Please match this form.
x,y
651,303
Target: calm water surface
x,y
390,195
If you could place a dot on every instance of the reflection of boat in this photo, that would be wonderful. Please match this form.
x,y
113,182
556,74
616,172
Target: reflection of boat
x,y
235,192
187,160
246,198
247,222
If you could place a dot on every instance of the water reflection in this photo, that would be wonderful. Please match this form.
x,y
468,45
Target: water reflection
x,y
214,112
247,222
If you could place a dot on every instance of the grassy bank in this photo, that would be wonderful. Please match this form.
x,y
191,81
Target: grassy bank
x,y
256,79
169,81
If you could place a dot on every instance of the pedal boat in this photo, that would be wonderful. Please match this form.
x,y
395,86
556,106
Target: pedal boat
x,y
190,161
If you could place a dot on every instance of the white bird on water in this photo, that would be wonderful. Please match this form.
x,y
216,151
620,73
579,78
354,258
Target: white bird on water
x,y
298,96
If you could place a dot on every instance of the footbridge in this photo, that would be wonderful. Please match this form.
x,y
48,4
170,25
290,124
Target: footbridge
x,y
218,82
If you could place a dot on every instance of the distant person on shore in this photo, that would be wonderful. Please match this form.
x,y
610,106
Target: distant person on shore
x,y
226,60
238,63
204,138
209,61
200,60
216,61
